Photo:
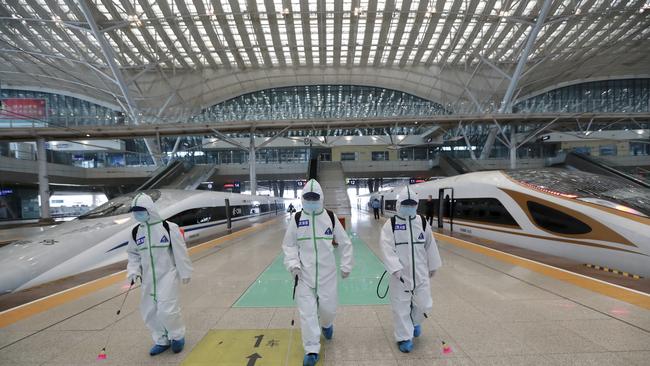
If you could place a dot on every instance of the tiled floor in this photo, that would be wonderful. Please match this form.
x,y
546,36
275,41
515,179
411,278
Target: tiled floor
x,y
491,313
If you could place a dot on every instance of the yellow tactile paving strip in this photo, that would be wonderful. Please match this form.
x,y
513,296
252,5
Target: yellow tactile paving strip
x,y
607,289
11,316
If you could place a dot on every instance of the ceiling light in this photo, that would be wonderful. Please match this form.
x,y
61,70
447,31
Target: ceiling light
x,y
87,135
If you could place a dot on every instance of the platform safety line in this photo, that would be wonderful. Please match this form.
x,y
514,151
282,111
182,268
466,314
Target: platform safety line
x,y
37,306
625,294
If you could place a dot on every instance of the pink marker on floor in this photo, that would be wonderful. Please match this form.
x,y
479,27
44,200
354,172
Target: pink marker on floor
x,y
101,355
446,349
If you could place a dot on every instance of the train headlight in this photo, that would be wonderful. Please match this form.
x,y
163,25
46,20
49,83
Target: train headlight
x,y
613,205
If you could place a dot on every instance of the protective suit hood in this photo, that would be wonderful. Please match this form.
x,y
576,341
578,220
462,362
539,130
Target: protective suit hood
x,y
143,200
405,193
312,186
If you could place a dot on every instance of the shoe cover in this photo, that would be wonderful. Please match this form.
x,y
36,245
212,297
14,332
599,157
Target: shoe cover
x,y
405,346
310,359
158,349
177,345
328,332
417,330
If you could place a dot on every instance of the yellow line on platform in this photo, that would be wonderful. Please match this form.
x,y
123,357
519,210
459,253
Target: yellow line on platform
x,y
608,289
24,311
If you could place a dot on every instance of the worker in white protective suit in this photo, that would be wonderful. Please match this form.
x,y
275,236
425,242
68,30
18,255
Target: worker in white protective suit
x,y
158,256
410,255
309,255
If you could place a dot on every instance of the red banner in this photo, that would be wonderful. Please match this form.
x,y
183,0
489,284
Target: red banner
x,y
22,108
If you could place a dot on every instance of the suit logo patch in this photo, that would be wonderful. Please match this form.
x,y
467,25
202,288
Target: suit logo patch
x,y
328,231
303,223
421,237
164,239
400,226
140,241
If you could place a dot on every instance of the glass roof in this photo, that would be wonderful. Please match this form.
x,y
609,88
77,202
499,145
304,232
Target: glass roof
x,y
254,33
318,102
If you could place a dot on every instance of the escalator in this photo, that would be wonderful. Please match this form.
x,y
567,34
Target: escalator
x,y
192,178
452,166
165,175
594,165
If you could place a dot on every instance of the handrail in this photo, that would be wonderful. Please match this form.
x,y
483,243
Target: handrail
x,y
601,167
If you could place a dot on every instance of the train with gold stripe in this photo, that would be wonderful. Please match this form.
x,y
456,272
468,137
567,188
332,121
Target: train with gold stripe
x,y
587,218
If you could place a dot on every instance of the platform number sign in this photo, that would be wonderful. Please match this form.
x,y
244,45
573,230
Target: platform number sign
x,y
247,347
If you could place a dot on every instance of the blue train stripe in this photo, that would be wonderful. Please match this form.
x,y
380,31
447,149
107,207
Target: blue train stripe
x,y
118,246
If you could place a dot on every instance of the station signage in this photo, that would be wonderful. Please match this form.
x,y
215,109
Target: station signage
x,y
23,108
416,180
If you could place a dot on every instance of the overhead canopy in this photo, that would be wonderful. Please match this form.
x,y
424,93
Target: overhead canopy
x,y
192,54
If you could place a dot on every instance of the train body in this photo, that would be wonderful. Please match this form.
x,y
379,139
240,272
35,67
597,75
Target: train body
x,y
588,218
99,237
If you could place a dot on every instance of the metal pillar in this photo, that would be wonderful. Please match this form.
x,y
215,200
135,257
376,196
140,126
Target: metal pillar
x,y
507,98
109,55
43,180
251,165
492,135
513,147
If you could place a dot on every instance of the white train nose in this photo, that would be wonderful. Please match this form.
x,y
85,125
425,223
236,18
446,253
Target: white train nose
x,y
13,276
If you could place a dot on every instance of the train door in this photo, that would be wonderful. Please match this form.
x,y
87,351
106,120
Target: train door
x,y
228,215
446,202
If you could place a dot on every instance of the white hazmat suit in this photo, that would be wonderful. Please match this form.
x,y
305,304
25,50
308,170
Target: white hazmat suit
x,y
160,261
410,252
308,247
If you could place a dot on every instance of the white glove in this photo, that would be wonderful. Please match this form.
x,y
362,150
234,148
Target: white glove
x,y
344,275
133,277
185,281
431,274
295,271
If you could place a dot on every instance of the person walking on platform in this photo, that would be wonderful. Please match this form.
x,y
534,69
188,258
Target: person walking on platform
x,y
375,207
158,256
309,256
429,210
410,255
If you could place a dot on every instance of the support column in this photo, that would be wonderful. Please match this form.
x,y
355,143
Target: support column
x,y
489,142
43,180
251,165
513,147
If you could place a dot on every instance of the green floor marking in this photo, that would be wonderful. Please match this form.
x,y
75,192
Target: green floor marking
x,y
273,287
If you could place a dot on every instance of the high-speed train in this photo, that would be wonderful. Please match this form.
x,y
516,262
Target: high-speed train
x,y
589,218
99,237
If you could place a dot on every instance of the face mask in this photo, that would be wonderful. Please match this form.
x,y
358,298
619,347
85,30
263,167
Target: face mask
x,y
311,206
141,216
408,211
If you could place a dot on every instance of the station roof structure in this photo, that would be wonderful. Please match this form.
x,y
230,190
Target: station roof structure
x,y
156,58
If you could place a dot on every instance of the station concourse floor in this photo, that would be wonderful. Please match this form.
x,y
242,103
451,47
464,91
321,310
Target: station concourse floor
x,y
489,312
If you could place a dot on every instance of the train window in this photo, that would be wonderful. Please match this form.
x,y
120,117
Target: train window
x,y
556,221
203,215
200,215
390,205
184,218
489,210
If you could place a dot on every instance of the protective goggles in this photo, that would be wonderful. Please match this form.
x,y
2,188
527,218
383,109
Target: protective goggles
x,y
311,196
137,208
409,202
